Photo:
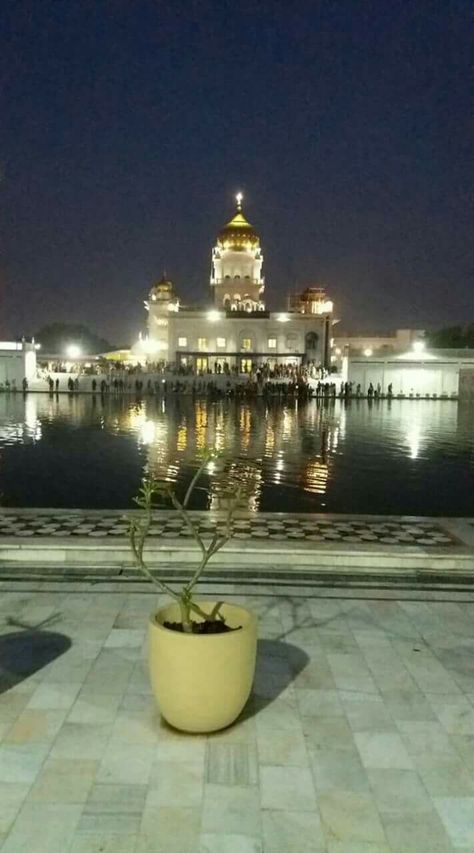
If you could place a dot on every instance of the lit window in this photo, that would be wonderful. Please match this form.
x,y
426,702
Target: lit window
x,y
247,344
221,342
272,342
202,343
182,342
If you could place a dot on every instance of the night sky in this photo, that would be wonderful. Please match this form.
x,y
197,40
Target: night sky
x,y
127,127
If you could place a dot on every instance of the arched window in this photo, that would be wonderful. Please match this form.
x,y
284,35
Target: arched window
x,y
311,341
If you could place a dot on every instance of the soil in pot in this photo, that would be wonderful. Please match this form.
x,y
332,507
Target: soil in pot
x,y
210,626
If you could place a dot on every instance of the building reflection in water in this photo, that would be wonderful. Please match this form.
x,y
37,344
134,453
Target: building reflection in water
x,y
262,445
288,457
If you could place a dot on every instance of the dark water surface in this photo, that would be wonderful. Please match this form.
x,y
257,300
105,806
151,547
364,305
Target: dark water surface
x,y
403,457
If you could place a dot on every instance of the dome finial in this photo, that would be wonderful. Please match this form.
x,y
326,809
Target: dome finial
x,y
238,199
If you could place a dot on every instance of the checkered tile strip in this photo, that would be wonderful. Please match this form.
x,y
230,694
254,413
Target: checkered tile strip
x,y
285,528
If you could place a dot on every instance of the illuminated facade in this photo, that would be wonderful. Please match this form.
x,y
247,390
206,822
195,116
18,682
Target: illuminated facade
x,y
17,362
235,330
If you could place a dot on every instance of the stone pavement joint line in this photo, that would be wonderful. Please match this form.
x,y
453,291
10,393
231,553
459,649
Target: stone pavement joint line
x,y
278,527
358,736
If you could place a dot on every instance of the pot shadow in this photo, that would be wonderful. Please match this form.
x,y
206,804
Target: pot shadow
x,y
24,652
278,663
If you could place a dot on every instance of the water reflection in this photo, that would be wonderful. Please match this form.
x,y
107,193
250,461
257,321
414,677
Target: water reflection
x,y
403,456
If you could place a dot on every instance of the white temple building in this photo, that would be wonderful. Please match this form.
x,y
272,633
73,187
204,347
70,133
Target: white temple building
x,y
235,331
17,362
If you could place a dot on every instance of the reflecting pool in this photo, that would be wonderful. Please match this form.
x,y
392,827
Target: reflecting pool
x,y
411,457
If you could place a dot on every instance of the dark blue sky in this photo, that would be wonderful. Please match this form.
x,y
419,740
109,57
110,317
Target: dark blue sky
x,y
126,128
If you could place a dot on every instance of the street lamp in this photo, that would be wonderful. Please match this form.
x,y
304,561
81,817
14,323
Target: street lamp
x,y
73,351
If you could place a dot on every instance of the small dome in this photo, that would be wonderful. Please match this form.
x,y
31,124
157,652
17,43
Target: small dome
x,y
238,234
163,289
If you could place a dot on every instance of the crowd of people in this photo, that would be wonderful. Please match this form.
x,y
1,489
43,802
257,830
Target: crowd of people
x,y
272,380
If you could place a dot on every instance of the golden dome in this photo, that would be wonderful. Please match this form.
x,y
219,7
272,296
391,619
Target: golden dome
x,y
163,289
238,234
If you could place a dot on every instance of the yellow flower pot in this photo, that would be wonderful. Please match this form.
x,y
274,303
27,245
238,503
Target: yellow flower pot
x,y
202,682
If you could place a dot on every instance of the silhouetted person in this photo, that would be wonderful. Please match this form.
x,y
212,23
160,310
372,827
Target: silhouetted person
x,y
57,385
370,392
24,385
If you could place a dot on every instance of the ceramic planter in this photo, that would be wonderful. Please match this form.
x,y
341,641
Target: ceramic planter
x,y
201,682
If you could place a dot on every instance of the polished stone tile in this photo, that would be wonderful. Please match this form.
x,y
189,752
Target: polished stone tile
x,y
292,832
20,764
100,843
452,781
328,732
15,700
234,810
173,783
172,745
399,791
351,673
366,712
354,722
94,707
315,676
228,843
356,847
319,703
284,748
54,696
123,764
34,726
77,740
382,750
169,829
350,817
457,815
336,770
408,833
287,788
231,764
456,718
113,809
136,727
428,743
408,705
64,781
131,638
43,828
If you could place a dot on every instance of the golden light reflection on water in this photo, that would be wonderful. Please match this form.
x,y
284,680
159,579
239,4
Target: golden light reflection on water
x,y
182,439
278,453
316,477
200,424
261,445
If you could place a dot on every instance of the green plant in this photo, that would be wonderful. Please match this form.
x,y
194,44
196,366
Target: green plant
x,y
152,491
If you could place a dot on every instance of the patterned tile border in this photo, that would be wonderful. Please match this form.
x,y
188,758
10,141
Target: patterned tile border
x,y
285,528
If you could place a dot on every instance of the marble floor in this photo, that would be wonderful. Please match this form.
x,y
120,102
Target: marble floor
x,y
363,530
359,737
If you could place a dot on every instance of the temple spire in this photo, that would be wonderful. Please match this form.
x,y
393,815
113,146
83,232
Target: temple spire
x,y
238,199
